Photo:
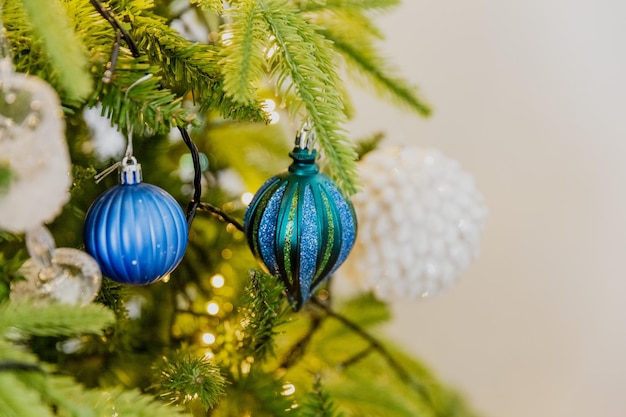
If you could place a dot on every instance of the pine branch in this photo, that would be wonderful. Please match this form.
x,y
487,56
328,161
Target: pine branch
x,y
216,6
221,215
262,313
148,106
366,145
298,350
53,319
316,5
183,378
18,400
11,354
318,403
257,394
374,343
243,61
361,56
304,61
66,52
190,68
358,20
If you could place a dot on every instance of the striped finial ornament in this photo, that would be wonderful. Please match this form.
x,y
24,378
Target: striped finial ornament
x,y
300,227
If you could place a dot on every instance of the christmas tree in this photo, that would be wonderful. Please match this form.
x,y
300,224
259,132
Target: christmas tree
x,y
208,96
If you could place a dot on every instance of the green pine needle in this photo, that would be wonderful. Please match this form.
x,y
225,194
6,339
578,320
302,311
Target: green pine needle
x,y
363,59
368,144
216,6
304,61
316,5
318,403
262,312
17,400
183,378
243,61
53,319
67,54
148,106
192,68
133,404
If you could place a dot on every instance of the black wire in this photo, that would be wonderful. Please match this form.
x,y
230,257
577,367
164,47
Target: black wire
x,y
117,26
19,366
197,176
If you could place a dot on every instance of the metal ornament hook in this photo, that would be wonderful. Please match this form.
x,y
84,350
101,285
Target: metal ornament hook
x,y
306,136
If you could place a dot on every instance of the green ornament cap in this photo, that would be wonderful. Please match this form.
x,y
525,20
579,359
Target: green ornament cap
x,y
303,162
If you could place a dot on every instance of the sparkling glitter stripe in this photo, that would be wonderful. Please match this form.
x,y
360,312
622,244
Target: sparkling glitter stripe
x,y
347,228
329,239
267,230
308,243
260,200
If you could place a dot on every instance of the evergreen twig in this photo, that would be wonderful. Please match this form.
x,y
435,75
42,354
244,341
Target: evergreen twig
x,y
354,359
348,4
298,350
375,344
108,15
182,378
304,61
318,403
220,214
264,310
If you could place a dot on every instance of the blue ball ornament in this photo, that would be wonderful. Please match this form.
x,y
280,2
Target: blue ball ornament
x,y
136,232
300,227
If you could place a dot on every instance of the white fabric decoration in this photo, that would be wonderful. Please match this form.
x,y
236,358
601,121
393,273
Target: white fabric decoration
x,y
33,147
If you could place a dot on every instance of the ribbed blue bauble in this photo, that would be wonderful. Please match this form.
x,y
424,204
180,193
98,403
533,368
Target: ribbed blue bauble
x,y
300,227
136,232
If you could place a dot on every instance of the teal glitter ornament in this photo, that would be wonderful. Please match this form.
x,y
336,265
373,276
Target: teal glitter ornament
x,y
299,226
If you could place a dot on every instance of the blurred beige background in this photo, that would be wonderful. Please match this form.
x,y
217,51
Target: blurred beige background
x,y
530,97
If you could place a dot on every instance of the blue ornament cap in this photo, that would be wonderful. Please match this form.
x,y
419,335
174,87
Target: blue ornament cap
x,y
137,232
300,227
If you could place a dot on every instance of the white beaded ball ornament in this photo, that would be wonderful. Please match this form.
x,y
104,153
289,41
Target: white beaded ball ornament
x,y
420,221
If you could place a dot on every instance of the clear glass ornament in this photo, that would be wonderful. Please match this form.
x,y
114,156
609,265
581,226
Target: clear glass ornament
x,y
66,275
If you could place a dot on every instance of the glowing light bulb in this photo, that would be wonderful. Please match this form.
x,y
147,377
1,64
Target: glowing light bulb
x,y
271,51
217,281
245,367
227,38
166,278
288,389
208,338
209,354
246,198
274,117
269,105
213,308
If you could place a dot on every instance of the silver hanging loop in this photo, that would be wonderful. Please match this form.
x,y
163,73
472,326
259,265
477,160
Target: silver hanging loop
x,y
305,138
